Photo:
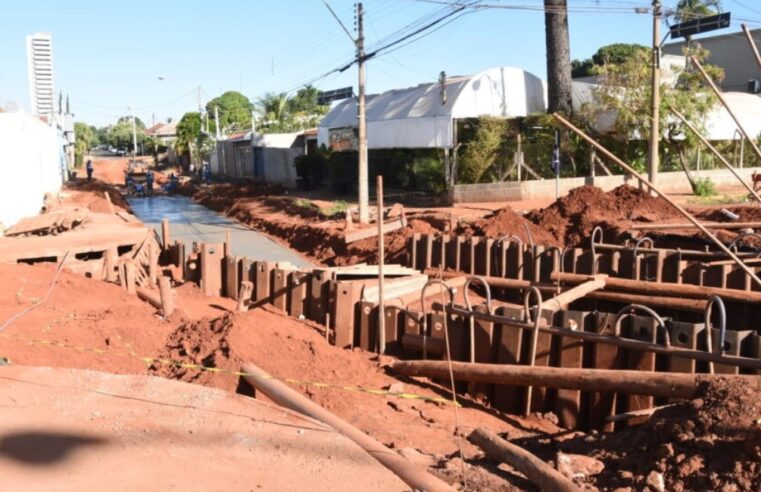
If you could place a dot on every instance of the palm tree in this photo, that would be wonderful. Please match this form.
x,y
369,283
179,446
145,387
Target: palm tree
x,y
694,9
558,56
687,10
273,107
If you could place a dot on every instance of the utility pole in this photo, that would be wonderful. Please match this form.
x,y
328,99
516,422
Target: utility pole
x,y
134,134
216,120
364,205
653,159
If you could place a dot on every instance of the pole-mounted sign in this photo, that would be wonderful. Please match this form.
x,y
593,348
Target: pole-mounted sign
x,y
701,25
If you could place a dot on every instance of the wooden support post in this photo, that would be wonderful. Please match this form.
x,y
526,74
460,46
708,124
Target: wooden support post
x,y
718,155
109,266
153,263
752,44
417,478
167,301
244,295
720,96
381,261
228,244
165,235
130,273
544,476
659,384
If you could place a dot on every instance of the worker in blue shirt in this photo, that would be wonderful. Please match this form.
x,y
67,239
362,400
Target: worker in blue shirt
x,y
149,182
89,169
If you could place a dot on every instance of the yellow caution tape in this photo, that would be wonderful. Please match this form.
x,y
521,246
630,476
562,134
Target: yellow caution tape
x,y
217,370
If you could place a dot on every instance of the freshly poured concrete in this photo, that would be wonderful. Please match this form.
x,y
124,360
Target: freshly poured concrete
x,y
190,222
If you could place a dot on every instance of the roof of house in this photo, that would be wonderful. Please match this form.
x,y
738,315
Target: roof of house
x,y
421,116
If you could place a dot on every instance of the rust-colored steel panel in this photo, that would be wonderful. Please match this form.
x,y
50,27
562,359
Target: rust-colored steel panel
x,y
509,348
299,283
568,402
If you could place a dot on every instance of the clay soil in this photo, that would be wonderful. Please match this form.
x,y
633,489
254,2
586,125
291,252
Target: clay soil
x,y
710,443
83,312
567,222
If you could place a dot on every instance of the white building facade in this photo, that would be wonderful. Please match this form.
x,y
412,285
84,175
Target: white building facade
x,y
39,52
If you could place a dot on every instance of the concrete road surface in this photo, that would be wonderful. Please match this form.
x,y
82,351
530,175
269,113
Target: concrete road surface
x,y
191,222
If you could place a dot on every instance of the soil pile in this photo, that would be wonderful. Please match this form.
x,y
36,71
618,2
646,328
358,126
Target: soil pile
x,y
572,218
93,195
710,443
506,222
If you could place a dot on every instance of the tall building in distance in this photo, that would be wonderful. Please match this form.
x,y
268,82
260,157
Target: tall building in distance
x,y
39,52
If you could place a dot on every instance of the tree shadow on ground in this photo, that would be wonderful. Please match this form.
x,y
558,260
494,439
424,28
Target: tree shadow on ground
x,y
44,448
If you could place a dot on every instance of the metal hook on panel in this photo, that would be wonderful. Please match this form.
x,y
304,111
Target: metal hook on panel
x,y
639,307
528,234
639,242
448,289
714,299
592,241
533,290
637,245
471,320
512,238
559,257
733,244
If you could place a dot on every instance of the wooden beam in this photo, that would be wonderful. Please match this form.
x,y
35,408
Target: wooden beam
x,y
544,476
368,232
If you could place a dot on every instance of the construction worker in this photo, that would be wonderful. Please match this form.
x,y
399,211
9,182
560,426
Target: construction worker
x,y
149,183
89,169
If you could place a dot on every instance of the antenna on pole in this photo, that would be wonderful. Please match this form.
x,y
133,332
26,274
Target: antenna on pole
x,y
332,12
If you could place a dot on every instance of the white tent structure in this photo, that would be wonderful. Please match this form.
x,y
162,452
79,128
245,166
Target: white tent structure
x,y
424,116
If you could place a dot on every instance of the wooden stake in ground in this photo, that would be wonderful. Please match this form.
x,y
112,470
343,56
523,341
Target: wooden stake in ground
x,y
544,476
165,236
244,295
412,475
671,202
381,260
167,301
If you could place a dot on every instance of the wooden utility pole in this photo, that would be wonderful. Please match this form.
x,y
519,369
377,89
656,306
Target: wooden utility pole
x,y
655,97
364,200
752,44
381,261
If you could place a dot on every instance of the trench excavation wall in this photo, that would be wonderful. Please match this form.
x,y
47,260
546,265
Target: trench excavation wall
x,y
323,296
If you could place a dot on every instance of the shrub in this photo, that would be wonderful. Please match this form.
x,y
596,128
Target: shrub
x,y
704,187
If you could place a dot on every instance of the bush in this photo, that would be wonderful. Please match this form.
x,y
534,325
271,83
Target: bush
x,y
704,187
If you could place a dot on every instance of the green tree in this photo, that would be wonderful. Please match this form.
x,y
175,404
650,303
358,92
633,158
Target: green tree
x,y
687,10
85,140
191,140
120,134
273,109
234,111
304,110
624,95
482,151
614,54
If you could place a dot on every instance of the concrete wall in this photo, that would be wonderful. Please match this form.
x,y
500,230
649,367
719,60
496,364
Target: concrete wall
x,y
670,182
32,163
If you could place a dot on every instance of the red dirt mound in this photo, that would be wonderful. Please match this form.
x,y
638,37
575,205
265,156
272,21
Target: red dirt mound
x,y
572,218
710,443
93,195
506,222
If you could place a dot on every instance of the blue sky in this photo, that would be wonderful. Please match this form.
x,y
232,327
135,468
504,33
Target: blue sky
x,y
109,55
